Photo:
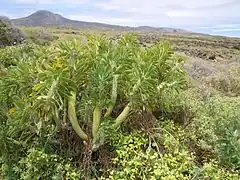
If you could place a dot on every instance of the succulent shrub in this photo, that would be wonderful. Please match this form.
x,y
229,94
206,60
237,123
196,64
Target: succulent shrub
x,y
81,82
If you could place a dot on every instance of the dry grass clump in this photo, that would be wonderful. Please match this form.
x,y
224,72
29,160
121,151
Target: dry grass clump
x,y
199,69
227,83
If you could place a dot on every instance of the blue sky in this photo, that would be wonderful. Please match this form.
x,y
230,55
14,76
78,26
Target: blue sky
x,y
219,17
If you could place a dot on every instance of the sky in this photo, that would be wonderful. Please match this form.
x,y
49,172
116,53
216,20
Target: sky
x,y
217,17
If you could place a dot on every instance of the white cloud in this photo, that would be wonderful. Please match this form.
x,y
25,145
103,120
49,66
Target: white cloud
x,y
50,1
174,12
35,1
13,15
177,12
192,14
152,5
110,20
220,26
181,13
226,30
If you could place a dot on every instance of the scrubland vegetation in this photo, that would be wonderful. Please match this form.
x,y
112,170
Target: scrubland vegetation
x,y
113,108
9,34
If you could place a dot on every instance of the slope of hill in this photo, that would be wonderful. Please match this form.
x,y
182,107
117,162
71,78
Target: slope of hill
x,y
47,18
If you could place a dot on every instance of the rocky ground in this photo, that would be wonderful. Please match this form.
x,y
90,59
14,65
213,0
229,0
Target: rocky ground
x,y
204,47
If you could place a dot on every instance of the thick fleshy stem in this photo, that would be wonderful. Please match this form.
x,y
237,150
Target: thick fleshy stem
x,y
123,116
96,120
73,117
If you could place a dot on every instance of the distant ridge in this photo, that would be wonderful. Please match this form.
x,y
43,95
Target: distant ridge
x,y
47,18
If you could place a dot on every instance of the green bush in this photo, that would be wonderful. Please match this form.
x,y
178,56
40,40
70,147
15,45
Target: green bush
x,y
164,154
10,56
9,34
217,129
227,130
39,165
138,158
212,170
40,36
75,82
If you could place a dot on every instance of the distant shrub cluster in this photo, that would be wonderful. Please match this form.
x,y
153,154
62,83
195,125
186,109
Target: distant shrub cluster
x,y
227,83
9,34
40,36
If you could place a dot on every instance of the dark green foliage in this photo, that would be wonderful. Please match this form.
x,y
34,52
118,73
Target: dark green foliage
x,y
9,34
227,130
10,56
217,128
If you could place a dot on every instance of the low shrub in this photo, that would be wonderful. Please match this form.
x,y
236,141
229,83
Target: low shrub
x,y
164,154
9,34
39,165
227,130
217,129
227,83
10,56
138,158
40,36
212,170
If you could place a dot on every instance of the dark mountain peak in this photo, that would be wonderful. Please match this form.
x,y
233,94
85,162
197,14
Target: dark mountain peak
x,y
40,18
44,13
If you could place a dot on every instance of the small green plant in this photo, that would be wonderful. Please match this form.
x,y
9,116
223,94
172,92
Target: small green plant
x,y
227,130
217,129
212,170
138,157
39,165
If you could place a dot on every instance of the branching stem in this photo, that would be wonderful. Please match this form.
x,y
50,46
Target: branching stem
x,y
73,117
96,120
123,116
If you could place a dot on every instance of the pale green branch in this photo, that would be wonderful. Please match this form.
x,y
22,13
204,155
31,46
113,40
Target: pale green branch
x,y
123,116
96,120
73,117
113,97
